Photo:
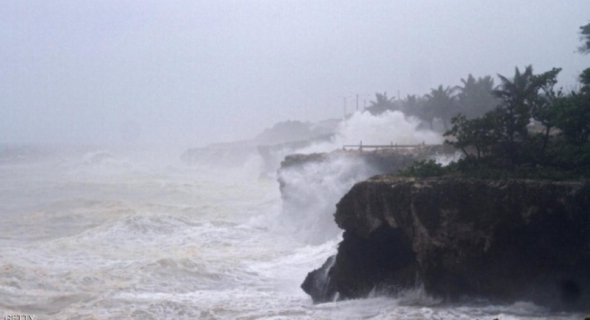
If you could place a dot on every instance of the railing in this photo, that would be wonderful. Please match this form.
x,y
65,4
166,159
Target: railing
x,y
396,146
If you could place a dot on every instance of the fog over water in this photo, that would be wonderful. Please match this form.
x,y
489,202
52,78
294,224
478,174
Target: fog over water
x,y
116,233
197,72
101,219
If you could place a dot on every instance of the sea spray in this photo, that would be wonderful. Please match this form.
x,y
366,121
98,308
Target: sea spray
x,y
311,191
140,238
389,128
385,129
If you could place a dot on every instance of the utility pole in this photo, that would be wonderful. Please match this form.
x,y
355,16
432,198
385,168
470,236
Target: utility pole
x,y
344,107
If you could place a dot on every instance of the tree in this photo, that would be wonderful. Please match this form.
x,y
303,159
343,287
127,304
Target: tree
x,y
585,81
413,105
522,97
572,112
514,112
381,104
441,103
426,111
573,117
585,37
543,109
480,133
475,97
503,134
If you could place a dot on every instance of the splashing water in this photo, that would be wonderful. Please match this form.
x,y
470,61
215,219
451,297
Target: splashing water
x,y
388,128
110,234
311,194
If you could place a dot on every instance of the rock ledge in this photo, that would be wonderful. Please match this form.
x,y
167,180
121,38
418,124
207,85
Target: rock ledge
x,y
506,241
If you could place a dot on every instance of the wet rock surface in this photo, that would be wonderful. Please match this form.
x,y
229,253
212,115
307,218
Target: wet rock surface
x,y
505,241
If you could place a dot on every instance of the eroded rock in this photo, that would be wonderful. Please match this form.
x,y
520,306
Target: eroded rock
x,y
505,241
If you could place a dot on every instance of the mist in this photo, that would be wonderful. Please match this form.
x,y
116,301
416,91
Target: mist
x,y
143,144
191,73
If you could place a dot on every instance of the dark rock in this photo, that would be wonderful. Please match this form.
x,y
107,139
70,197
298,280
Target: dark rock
x,y
316,283
505,241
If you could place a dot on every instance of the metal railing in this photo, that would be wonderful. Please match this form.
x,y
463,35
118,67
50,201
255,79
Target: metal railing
x,y
395,146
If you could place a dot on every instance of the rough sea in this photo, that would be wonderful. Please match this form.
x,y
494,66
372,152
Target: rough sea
x,y
116,233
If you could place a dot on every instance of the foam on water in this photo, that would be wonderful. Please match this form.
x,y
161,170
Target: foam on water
x,y
104,234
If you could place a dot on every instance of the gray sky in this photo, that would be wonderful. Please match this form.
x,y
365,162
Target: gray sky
x,y
194,72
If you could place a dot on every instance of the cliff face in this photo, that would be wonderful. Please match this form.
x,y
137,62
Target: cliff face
x,y
504,241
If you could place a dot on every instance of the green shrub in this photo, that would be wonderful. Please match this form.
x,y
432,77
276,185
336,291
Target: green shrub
x,y
423,169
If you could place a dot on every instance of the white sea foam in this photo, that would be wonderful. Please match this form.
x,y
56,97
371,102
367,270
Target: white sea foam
x,y
312,191
95,236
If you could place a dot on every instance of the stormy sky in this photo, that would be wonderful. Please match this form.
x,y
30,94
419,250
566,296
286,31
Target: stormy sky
x,y
194,72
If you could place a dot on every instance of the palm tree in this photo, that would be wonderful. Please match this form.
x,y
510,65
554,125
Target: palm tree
x,y
475,97
516,96
585,37
412,105
381,104
442,104
415,106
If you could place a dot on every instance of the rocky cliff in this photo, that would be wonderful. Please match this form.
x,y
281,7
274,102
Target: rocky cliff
x,y
504,241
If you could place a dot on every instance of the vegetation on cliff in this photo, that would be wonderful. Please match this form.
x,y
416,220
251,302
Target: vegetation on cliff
x,y
535,130
472,98
502,241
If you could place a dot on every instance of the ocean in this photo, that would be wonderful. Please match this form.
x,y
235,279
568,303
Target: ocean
x,y
128,233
